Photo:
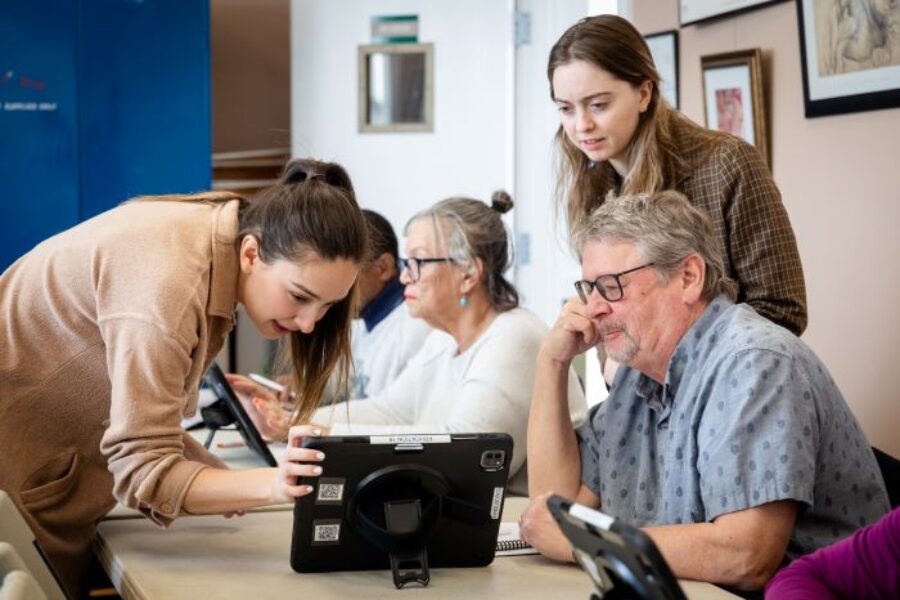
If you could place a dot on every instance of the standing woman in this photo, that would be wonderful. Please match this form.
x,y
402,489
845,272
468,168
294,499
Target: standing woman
x,y
107,329
618,135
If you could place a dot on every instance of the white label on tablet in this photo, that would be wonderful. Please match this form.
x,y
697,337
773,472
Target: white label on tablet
x,y
595,518
496,502
409,439
327,533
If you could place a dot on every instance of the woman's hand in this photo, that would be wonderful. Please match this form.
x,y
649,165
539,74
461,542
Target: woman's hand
x,y
298,462
264,407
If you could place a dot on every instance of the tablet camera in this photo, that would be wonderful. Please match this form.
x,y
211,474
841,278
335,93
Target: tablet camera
x,y
493,460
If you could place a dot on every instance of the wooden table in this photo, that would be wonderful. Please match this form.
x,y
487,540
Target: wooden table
x,y
213,558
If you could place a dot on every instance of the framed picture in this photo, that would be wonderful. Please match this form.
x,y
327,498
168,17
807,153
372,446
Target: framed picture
x,y
733,96
850,58
664,48
695,11
396,88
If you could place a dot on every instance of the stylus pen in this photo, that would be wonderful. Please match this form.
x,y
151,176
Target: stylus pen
x,y
275,386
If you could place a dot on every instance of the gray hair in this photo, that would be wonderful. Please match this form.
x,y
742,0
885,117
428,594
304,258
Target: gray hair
x,y
666,228
471,230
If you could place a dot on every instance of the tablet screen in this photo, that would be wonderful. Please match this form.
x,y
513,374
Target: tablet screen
x,y
216,380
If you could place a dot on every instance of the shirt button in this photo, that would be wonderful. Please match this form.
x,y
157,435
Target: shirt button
x,y
165,507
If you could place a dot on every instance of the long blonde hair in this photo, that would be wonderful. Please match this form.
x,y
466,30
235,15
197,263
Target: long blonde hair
x,y
614,45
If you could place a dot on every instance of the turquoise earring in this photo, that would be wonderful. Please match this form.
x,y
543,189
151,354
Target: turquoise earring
x,y
464,301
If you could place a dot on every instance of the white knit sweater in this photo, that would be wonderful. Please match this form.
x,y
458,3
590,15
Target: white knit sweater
x,y
485,389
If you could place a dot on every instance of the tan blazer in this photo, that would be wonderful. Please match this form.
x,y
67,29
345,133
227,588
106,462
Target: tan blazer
x,y
106,330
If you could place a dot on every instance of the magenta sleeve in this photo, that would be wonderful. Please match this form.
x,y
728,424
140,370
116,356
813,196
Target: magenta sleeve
x,y
864,566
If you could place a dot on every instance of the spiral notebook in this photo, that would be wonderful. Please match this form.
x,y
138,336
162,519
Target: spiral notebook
x,y
510,544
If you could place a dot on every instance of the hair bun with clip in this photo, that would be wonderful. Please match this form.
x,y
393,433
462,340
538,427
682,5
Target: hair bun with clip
x,y
298,171
307,169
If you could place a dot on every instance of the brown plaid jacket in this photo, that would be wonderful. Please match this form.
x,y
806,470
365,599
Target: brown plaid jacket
x,y
734,186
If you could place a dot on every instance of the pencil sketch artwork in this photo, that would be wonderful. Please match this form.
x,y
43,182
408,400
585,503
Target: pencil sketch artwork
x,y
856,35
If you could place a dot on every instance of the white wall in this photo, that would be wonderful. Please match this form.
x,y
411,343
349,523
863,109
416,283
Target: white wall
x,y
547,278
494,122
398,174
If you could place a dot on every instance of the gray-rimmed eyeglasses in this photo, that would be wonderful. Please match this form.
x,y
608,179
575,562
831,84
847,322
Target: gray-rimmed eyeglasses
x,y
414,265
609,286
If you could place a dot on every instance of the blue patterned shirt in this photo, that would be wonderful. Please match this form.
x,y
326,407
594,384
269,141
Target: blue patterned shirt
x,y
747,415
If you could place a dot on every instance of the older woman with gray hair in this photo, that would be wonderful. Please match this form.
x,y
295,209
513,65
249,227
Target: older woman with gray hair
x,y
476,372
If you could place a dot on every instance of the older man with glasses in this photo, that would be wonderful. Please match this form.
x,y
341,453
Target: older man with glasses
x,y
723,434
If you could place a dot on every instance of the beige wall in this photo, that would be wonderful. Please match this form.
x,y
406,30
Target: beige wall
x,y
839,177
251,75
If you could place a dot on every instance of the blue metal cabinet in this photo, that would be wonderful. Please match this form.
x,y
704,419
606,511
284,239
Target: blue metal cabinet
x,y
38,123
100,100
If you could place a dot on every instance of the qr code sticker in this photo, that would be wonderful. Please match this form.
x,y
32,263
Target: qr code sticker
x,y
331,491
326,532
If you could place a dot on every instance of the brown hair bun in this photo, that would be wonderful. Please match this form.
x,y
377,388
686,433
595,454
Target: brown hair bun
x,y
501,202
307,169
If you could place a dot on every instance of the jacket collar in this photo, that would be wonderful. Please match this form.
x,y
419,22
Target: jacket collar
x,y
225,265
383,304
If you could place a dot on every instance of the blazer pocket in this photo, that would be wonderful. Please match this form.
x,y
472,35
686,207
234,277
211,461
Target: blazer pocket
x,y
52,482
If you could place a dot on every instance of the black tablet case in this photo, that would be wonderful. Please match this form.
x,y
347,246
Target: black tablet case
x,y
350,460
627,561
223,390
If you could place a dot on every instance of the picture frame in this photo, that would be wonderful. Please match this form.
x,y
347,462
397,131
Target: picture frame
x,y
733,99
691,12
850,63
395,88
664,48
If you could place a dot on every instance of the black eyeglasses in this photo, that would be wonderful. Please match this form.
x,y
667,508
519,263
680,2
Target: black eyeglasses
x,y
609,286
414,265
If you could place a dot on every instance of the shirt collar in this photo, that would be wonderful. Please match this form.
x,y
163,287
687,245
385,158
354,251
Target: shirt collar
x,y
660,397
692,339
383,304
224,276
